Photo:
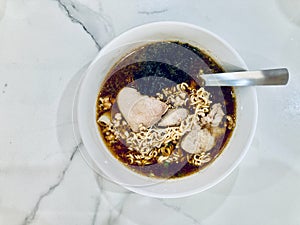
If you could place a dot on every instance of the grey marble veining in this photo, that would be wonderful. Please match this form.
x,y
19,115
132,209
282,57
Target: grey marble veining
x,y
29,218
95,24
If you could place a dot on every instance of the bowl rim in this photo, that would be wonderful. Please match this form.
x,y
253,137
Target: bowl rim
x,y
148,190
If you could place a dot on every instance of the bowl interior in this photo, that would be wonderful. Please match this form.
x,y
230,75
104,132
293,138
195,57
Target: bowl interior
x,y
111,167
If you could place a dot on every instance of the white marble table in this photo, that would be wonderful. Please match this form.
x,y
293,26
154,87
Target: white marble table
x,y
43,178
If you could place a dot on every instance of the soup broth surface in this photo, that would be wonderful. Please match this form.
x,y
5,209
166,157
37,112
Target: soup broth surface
x,y
167,75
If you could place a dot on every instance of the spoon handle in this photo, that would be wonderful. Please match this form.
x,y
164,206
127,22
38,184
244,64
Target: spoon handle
x,y
247,78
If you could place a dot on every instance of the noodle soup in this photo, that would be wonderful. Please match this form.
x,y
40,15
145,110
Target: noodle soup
x,y
156,117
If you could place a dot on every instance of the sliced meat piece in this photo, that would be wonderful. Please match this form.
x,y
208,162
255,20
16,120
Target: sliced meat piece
x,y
214,117
139,109
198,140
173,117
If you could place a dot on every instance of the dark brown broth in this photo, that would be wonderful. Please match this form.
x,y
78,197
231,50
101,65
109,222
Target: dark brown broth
x,y
153,67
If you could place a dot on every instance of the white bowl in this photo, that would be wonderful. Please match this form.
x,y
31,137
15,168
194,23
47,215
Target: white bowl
x,y
106,164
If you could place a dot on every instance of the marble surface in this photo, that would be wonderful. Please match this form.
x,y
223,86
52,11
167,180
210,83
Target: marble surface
x,y
43,177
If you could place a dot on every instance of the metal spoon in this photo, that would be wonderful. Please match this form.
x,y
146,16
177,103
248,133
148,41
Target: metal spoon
x,y
247,78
